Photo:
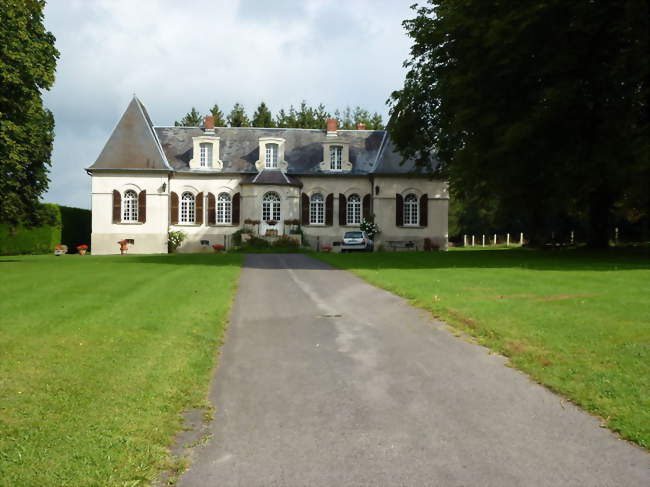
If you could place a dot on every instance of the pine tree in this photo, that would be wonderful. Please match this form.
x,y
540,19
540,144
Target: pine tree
x,y
192,119
263,117
217,115
238,117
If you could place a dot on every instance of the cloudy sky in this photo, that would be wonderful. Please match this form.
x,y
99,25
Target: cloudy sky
x,y
178,54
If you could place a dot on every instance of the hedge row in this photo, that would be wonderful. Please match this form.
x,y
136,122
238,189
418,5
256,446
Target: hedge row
x,y
59,224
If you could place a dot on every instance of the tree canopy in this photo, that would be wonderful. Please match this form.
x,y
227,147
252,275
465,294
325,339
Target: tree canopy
x,y
191,119
217,115
27,66
539,108
238,117
262,117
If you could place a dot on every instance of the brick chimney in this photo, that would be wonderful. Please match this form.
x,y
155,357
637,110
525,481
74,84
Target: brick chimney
x,y
332,126
361,126
209,124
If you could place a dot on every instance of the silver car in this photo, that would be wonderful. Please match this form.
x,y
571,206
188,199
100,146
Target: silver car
x,y
356,240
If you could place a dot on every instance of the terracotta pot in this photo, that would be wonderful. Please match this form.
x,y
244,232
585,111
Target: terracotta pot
x,y
82,251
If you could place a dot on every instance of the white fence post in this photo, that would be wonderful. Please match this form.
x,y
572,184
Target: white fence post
x,y
465,240
521,238
473,240
572,240
483,240
507,240
616,236
495,239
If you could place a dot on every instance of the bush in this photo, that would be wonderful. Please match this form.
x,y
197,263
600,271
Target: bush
x,y
285,242
174,240
23,240
256,243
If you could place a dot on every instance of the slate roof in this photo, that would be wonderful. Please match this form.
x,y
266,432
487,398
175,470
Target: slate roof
x,y
133,143
137,144
276,178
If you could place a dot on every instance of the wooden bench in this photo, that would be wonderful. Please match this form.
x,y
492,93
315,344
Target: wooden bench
x,y
401,244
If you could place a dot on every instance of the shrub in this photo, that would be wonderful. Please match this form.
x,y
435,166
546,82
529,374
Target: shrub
x,y
76,226
286,242
40,239
370,227
256,243
175,239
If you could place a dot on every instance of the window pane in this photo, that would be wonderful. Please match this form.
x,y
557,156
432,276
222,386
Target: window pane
x,y
130,206
354,210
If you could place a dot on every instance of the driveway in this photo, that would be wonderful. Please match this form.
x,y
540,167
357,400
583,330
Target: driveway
x,y
326,380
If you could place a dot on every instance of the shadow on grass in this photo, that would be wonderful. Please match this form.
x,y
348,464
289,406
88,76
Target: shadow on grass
x,y
552,260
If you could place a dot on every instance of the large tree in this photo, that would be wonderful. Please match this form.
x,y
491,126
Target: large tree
x,y
27,66
540,107
191,119
262,117
238,117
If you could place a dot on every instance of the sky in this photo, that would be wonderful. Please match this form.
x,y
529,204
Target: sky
x,y
178,54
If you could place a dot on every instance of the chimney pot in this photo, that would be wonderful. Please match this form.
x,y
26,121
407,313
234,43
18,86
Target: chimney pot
x,y
361,126
332,126
209,123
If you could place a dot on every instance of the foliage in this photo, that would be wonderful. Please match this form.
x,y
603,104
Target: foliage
x,y
27,65
115,350
370,227
285,242
236,238
191,119
539,108
262,117
575,320
76,226
238,117
175,239
18,239
217,115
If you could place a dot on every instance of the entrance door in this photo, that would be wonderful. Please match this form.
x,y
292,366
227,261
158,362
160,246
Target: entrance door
x,y
271,212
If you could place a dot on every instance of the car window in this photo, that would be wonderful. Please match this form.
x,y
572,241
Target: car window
x,y
353,235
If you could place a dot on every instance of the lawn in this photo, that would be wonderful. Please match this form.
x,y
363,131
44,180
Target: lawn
x,y
98,357
576,321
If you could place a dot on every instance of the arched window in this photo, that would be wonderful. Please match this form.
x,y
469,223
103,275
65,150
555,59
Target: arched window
x,y
206,154
271,156
354,210
411,210
336,157
187,208
271,207
130,206
317,209
224,209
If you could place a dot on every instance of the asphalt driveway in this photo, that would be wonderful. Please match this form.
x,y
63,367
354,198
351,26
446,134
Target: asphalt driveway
x,y
326,380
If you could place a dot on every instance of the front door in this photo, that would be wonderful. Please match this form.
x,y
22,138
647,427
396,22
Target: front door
x,y
271,215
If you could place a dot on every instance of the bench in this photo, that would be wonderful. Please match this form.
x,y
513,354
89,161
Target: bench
x,y
401,244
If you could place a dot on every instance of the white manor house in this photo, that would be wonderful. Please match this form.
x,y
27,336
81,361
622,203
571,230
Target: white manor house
x,y
210,181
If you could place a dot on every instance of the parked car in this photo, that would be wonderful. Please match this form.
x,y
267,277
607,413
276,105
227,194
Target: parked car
x,y
356,240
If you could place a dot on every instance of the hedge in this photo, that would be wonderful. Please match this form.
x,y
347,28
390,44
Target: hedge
x,y
76,227
25,240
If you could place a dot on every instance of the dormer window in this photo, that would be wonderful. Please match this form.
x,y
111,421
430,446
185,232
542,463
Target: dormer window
x,y
336,157
271,156
206,154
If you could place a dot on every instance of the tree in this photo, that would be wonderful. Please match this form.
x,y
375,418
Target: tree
x,y
263,117
540,107
238,117
217,115
192,119
27,66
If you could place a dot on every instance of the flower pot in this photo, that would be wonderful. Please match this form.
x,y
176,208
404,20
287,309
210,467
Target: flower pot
x,y
82,251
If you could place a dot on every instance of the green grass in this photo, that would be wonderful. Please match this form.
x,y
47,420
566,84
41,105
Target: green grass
x,y
98,356
576,321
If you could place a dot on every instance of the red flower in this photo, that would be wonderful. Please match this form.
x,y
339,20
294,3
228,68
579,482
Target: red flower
x,y
218,247
82,247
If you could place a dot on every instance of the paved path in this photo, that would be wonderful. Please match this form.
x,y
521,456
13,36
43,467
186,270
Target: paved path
x,y
327,381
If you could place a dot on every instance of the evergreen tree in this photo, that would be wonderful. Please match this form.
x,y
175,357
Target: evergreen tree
x,y
376,122
192,119
263,117
321,115
238,117
541,107
27,66
219,120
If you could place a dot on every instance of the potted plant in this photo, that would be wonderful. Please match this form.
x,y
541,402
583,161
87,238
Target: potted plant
x,y
326,248
124,247
82,249
218,248
60,249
